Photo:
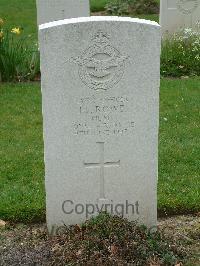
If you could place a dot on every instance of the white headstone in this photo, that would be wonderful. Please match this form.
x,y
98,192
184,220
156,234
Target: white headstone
x,y
51,10
100,89
177,14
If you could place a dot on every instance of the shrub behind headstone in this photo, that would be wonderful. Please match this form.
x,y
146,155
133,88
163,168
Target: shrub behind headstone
x,y
120,7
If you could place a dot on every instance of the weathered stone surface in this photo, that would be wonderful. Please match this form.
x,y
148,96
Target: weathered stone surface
x,y
100,88
51,10
177,14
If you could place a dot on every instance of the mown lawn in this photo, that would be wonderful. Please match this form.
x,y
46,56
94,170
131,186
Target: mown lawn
x,y
22,13
179,149
98,5
21,154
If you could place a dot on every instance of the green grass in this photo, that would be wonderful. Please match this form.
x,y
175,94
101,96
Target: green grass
x,y
179,150
21,153
153,17
98,5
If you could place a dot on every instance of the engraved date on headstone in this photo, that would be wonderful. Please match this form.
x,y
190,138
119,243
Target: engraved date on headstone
x,y
103,116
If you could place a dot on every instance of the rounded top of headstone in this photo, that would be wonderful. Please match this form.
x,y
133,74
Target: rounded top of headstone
x,y
97,19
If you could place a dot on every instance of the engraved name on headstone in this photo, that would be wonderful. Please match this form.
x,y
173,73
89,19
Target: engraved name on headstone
x,y
101,112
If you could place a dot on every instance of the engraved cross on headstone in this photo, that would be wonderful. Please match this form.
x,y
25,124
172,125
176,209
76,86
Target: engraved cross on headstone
x,y
101,165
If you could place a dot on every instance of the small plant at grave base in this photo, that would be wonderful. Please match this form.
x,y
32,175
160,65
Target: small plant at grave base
x,y
18,62
124,7
111,240
181,54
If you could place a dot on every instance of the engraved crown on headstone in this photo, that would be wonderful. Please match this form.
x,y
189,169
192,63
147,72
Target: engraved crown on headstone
x,y
187,6
101,65
178,14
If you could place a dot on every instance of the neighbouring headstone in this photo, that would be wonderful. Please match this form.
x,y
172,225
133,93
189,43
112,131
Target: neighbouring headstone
x,y
51,10
179,14
100,90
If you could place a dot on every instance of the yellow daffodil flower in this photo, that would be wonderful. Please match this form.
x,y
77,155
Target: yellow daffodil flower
x,y
1,35
1,22
16,31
